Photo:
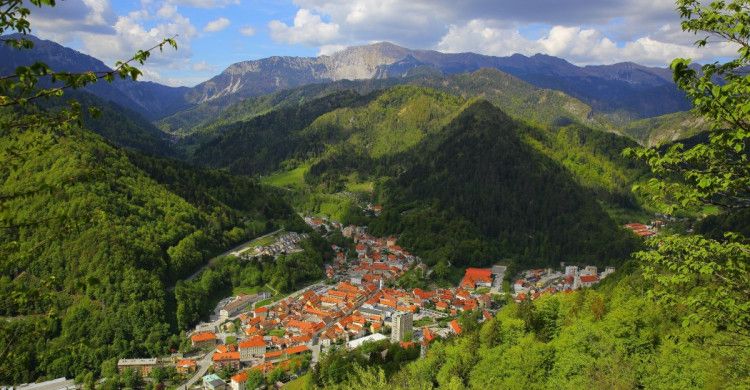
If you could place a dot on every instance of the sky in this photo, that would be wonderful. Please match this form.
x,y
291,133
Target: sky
x,y
213,34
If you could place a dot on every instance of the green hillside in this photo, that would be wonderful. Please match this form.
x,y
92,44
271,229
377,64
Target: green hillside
x,y
92,237
666,128
478,178
517,98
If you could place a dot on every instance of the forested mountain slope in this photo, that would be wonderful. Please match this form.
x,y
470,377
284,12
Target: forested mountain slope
x,y
477,172
519,99
666,128
90,239
431,152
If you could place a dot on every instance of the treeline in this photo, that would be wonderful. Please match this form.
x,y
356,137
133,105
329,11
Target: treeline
x,y
339,363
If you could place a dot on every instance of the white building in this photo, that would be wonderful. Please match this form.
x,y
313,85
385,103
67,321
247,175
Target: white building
x,y
367,339
401,325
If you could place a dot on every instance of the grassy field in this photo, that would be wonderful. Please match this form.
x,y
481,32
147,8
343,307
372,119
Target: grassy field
x,y
289,179
300,383
249,290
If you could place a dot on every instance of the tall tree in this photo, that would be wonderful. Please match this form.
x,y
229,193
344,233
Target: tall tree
x,y
708,276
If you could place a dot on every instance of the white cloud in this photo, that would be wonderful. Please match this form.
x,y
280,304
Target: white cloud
x,y
217,25
579,45
308,28
167,11
202,66
247,31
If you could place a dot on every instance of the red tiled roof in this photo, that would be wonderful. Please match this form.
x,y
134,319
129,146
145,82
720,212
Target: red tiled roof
x,y
226,348
455,326
226,356
273,354
186,363
240,378
296,350
427,333
253,342
589,278
203,336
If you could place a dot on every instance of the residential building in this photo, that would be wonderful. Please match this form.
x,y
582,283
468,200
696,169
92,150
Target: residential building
x,y
238,304
254,347
401,326
477,277
144,366
226,359
455,327
186,366
238,381
203,339
213,382
590,270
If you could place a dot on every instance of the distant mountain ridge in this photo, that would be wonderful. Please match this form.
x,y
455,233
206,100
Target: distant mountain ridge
x,y
623,91
632,90
152,100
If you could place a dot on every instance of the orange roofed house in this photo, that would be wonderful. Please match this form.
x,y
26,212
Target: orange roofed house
x,y
203,339
477,277
238,381
186,366
227,359
253,347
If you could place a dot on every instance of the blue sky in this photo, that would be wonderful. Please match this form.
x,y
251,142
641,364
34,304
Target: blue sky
x,y
216,33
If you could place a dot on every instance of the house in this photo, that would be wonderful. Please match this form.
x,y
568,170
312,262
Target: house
x,y
213,382
238,381
455,327
144,366
186,366
253,347
260,312
237,305
203,339
477,277
587,280
590,270
427,335
226,359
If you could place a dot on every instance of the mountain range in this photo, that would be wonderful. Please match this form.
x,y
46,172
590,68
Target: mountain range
x,y
622,91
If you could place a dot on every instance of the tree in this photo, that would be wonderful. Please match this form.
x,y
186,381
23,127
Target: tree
x,y
19,90
708,276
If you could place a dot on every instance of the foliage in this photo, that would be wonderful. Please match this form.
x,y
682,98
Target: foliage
x,y
339,364
708,277
588,339
529,208
196,298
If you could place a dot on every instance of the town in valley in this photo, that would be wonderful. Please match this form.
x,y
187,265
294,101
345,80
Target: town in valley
x,y
358,303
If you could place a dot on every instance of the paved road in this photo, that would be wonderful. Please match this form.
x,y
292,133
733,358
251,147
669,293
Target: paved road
x,y
203,366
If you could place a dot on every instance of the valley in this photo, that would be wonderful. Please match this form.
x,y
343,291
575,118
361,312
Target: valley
x,y
371,216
